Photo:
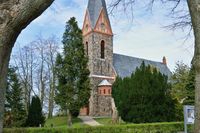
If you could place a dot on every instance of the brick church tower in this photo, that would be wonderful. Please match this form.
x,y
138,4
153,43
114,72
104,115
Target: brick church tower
x,y
98,44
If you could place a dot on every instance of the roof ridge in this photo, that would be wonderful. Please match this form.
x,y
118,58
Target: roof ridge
x,y
137,58
126,65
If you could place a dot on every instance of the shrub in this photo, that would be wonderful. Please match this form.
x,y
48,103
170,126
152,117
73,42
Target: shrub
x,y
35,115
144,97
172,127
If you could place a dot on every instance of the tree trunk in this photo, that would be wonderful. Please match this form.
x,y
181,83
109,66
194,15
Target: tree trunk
x,y
69,118
194,8
14,17
4,60
51,100
52,52
51,94
42,84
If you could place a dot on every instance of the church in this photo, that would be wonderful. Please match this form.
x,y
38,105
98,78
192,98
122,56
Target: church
x,y
104,65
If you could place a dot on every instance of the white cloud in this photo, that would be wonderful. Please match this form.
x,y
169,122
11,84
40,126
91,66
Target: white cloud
x,y
152,42
143,37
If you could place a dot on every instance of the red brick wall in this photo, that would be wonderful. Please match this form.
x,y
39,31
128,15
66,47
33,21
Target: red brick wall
x,y
84,111
105,90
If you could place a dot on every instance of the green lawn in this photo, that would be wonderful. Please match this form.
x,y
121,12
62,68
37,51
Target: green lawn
x,y
164,127
61,121
60,126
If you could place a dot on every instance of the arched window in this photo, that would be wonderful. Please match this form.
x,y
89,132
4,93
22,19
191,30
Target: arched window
x,y
104,91
109,91
102,49
86,27
86,47
102,26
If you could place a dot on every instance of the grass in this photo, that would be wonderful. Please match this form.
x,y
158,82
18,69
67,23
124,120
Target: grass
x,y
60,126
61,121
165,127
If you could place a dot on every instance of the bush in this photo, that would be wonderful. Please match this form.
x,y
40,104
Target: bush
x,y
35,115
144,97
75,113
172,127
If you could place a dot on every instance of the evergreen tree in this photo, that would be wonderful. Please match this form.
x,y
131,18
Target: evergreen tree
x,y
15,114
190,88
182,87
144,97
35,115
179,79
61,95
73,89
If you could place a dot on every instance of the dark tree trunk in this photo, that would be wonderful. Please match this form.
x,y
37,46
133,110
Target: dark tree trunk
x,y
14,17
4,60
69,118
194,8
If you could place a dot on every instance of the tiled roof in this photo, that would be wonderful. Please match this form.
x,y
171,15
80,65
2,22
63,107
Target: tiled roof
x,y
105,83
94,9
126,65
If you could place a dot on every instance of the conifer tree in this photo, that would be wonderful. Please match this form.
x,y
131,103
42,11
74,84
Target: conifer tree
x,y
179,79
35,115
182,87
15,114
144,97
190,88
73,89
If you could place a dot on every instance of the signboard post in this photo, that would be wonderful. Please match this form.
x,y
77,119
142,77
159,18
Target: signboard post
x,y
188,116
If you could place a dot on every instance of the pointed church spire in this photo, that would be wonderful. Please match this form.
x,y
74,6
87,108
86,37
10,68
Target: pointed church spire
x,y
94,9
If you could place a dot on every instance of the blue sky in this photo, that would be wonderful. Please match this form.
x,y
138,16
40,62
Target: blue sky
x,y
141,36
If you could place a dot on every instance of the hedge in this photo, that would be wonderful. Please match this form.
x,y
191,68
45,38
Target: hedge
x,y
172,127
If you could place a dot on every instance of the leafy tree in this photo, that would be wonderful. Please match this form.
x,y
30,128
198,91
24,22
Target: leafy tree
x,y
15,114
179,81
183,86
144,97
25,12
73,89
35,115
186,16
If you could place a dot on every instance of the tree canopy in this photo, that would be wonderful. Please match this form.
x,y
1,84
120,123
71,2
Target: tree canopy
x,y
144,97
183,84
35,114
73,88
15,114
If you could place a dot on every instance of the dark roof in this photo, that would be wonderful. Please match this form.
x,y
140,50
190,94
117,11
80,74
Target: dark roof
x,y
94,9
126,65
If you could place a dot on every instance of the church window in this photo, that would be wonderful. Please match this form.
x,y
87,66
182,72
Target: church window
x,y
86,48
109,91
102,26
102,49
86,27
104,91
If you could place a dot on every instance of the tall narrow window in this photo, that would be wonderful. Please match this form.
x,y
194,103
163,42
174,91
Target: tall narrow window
x,y
86,48
102,49
109,91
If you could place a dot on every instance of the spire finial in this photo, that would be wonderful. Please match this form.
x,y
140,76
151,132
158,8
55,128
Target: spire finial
x,y
164,60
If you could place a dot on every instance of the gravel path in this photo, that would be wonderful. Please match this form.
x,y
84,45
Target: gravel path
x,y
89,121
